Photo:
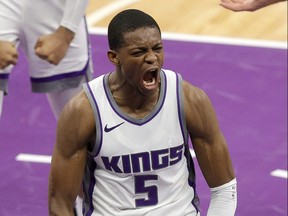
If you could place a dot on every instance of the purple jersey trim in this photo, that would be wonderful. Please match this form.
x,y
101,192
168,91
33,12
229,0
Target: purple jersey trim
x,y
99,134
4,76
131,120
60,76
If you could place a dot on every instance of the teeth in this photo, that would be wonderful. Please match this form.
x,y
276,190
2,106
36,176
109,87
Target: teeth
x,y
150,82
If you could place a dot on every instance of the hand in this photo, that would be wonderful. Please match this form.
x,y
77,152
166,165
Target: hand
x,y
246,5
53,47
8,54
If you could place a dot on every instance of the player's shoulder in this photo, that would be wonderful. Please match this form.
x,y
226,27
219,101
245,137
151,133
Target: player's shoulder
x,y
190,91
194,92
78,105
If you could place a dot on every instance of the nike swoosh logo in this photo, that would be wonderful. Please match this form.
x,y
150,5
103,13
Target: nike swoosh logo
x,y
106,129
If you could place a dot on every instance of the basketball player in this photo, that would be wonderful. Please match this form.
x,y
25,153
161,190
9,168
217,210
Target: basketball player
x,y
247,5
126,134
54,37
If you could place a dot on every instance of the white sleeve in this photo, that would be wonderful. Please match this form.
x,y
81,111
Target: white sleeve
x,y
74,11
223,199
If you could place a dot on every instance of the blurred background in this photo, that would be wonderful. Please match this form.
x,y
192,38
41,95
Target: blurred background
x,y
196,17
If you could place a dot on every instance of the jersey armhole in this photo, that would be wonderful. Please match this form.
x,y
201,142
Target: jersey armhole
x,y
181,112
95,147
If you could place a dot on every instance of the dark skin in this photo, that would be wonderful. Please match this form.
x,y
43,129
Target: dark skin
x,y
137,75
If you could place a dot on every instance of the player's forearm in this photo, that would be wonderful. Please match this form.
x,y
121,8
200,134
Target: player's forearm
x,y
66,33
59,203
73,13
58,210
62,188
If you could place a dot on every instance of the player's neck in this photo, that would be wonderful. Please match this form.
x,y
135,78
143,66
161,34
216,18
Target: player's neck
x,y
132,101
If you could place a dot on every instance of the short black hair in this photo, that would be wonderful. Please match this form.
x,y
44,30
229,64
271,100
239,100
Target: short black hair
x,y
128,21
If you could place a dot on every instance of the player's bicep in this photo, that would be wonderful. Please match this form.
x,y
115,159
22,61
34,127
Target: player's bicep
x,y
70,150
75,127
200,115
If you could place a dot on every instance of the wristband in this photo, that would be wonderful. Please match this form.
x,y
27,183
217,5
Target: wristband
x,y
223,199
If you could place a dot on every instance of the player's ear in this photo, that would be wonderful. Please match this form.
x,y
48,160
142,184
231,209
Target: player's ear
x,y
113,57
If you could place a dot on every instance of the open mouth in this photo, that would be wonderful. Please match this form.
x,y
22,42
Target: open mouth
x,y
150,77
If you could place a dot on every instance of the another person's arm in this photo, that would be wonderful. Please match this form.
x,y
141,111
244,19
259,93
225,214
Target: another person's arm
x,y
247,5
211,151
53,47
8,54
75,128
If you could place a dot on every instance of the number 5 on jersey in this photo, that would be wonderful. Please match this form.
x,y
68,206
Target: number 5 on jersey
x,y
151,191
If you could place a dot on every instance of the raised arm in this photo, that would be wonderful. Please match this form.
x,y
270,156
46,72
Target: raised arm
x,y
75,130
211,151
247,5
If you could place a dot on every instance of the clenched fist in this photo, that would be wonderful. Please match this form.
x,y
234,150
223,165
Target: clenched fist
x,y
53,47
8,54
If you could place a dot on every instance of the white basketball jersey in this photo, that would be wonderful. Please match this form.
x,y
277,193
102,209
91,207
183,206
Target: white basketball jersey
x,y
140,166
